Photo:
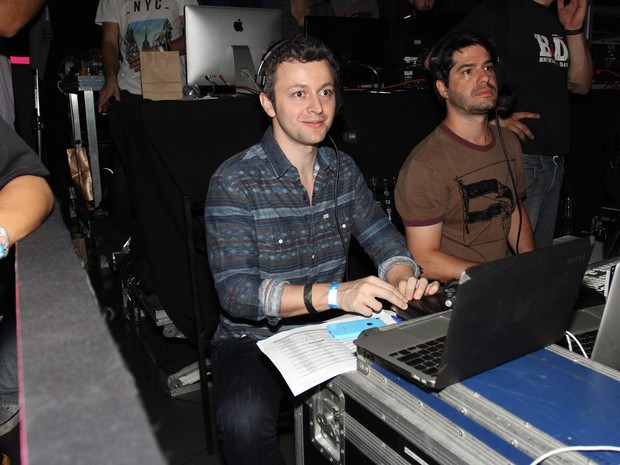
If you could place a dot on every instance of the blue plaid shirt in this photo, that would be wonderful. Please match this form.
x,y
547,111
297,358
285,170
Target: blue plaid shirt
x,y
262,233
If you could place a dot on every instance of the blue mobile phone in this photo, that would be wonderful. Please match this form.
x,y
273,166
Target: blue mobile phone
x,y
352,329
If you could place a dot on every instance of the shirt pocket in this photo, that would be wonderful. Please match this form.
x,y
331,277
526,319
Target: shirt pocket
x,y
283,248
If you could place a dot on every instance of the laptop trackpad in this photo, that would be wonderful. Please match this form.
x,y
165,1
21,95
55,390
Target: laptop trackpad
x,y
422,331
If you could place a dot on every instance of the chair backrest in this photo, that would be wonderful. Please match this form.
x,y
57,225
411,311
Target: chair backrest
x,y
170,152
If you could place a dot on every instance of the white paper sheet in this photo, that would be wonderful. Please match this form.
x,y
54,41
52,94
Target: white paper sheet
x,y
308,356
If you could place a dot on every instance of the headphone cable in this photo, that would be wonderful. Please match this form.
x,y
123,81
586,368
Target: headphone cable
x,y
512,178
342,241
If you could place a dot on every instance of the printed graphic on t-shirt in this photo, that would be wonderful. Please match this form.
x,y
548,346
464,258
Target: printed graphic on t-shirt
x,y
144,35
554,51
487,205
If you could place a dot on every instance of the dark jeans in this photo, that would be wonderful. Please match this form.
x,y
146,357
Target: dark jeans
x,y
249,390
543,179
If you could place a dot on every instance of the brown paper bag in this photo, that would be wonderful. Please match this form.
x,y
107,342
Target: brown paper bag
x,y
79,167
161,75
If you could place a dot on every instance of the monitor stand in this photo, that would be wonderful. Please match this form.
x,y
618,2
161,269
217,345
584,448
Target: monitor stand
x,y
244,67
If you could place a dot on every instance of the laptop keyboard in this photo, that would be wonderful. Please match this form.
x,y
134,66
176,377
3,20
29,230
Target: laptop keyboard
x,y
424,357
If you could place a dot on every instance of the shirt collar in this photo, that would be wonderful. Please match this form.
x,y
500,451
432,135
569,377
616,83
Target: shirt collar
x,y
280,164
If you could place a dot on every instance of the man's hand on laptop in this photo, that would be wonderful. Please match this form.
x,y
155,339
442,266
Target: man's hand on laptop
x,y
413,288
403,278
365,296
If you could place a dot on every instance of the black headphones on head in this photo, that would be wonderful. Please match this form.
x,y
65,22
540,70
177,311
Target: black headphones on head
x,y
438,55
437,73
261,77
505,96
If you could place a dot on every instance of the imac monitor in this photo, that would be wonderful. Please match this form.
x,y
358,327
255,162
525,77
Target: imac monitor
x,y
225,45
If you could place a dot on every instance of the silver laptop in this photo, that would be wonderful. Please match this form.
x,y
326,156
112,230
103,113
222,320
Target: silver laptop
x,y
597,328
503,310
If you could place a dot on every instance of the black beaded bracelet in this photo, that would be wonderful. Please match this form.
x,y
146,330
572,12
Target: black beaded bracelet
x,y
573,32
308,298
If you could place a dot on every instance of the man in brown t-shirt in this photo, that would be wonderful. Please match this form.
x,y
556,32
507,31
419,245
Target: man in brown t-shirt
x,y
458,190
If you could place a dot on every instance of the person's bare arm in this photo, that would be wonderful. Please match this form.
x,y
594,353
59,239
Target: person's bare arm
x,y
15,14
362,296
424,243
359,296
526,238
24,203
520,128
178,44
580,69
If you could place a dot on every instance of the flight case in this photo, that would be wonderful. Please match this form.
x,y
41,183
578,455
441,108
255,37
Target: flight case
x,y
512,414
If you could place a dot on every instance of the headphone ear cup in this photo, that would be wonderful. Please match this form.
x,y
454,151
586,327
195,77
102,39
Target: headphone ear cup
x,y
434,61
436,73
260,74
260,78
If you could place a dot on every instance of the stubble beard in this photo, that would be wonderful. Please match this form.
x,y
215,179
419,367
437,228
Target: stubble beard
x,y
468,106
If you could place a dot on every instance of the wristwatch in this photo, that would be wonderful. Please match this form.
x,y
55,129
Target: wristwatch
x,y
4,243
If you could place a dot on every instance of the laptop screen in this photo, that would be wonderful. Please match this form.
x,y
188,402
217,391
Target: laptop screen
x,y
503,310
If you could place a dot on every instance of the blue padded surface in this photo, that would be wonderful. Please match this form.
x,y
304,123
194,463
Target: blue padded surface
x,y
576,405
572,403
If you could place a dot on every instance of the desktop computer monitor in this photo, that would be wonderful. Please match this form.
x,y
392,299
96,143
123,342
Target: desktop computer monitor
x,y
225,45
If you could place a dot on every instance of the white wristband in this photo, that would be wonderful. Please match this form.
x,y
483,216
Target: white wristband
x,y
332,295
4,243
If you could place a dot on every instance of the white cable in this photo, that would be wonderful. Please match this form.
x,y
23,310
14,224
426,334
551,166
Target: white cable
x,y
570,336
247,74
561,450
59,86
